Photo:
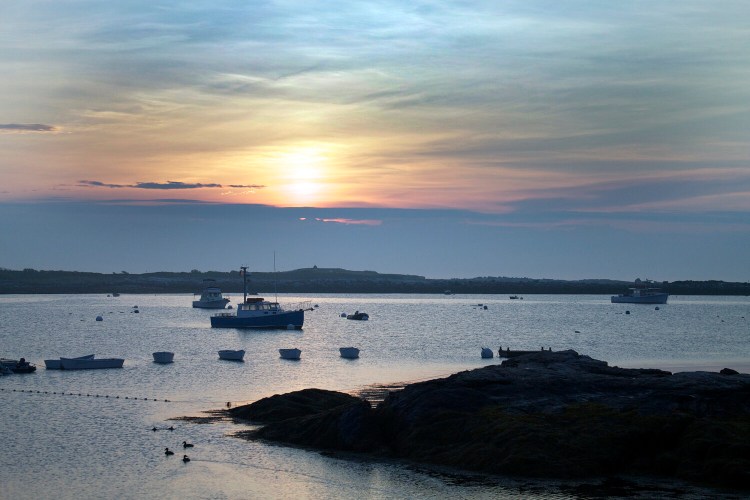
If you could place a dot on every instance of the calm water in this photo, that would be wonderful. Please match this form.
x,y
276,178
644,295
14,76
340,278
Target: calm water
x,y
94,447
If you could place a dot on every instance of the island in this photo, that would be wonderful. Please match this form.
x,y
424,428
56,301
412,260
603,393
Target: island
x,y
539,414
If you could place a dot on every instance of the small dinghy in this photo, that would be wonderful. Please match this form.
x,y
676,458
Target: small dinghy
x,y
349,352
54,364
290,353
163,357
231,355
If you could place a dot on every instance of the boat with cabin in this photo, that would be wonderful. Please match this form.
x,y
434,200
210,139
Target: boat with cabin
x,y
358,316
257,312
641,293
8,366
211,297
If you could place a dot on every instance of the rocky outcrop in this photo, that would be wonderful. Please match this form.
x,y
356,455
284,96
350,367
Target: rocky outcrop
x,y
548,414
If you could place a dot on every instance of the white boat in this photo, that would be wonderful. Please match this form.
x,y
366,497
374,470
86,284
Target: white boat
x,y
290,353
54,364
231,355
641,295
90,364
349,352
163,357
211,298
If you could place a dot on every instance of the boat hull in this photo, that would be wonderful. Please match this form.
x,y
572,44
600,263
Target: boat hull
x,y
290,353
163,357
349,352
210,304
658,298
231,355
55,364
90,364
279,320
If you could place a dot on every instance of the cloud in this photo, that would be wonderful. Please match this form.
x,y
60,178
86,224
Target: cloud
x,y
164,185
26,127
362,222
173,185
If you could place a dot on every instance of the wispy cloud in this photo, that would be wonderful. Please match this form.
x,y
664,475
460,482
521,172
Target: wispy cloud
x,y
360,222
21,128
164,185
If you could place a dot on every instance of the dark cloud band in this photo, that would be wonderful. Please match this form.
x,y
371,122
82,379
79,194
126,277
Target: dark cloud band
x,y
165,185
27,127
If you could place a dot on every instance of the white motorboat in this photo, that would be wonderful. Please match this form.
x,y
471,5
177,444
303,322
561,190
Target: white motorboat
x,y
231,355
290,353
163,357
90,364
211,298
641,294
349,352
54,364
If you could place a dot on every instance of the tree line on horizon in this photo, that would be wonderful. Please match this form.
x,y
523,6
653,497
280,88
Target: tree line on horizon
x,y
329,280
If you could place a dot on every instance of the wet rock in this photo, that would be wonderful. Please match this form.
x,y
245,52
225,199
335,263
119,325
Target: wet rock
x,y
544,414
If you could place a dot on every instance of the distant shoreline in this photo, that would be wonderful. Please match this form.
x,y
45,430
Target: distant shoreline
x,y
331,280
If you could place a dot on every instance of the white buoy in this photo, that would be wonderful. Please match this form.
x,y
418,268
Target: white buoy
x,y
487,353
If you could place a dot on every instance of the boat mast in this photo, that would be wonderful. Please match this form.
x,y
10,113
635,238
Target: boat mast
x,y
243,271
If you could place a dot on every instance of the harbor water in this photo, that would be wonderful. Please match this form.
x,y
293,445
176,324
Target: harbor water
x,y
88,434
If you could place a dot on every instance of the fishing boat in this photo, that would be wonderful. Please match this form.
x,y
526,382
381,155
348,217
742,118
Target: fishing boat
x,y
211,297
54,364
257,312
16,366
640,294
90,363
231,355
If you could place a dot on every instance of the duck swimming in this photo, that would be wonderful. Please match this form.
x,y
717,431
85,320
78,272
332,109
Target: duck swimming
x,y
185,444
167,452
185,458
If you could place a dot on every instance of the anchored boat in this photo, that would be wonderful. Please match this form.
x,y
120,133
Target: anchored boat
x,y
257,312
641,295
211,297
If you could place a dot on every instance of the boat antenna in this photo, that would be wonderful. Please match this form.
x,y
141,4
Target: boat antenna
x,y
275,291
243,272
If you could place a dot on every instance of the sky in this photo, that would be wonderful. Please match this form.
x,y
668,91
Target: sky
x,y
448,139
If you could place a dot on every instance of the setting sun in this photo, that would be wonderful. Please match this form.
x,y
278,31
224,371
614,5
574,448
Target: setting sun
x,y
301,173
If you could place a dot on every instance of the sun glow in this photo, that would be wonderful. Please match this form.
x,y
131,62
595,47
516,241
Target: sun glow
x,y
302,174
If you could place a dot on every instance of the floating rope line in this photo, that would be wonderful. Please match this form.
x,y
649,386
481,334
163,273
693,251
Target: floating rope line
x,y
87,395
